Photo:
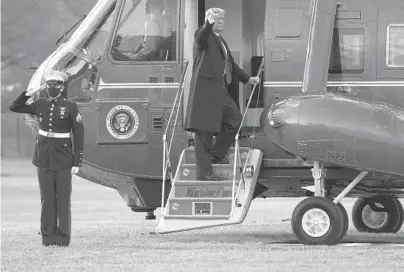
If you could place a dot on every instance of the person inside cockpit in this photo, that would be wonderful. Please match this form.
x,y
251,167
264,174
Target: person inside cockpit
x,y
158,28
156,24
169,14
159,35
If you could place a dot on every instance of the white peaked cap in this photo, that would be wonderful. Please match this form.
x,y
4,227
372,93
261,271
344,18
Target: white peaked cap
x,y
54,75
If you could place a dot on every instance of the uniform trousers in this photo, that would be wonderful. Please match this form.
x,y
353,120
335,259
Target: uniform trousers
x,y
55,188
206,148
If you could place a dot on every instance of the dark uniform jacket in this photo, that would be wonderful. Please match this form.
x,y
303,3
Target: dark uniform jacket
x,y
208,91
59,116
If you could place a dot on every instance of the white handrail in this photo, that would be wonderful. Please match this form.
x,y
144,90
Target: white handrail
x,y
237,155
167,149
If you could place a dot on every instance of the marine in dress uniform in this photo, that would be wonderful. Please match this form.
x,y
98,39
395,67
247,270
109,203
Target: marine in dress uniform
x,y
55,157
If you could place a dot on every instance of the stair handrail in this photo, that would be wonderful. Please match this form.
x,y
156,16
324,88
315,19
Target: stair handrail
x,y
237,155
166,147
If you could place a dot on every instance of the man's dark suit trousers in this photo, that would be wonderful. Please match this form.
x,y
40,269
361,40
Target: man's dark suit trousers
x,y
204,146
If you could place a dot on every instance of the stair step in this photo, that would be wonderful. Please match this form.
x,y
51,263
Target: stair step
x,y
199,207
203,189
188,171
189,156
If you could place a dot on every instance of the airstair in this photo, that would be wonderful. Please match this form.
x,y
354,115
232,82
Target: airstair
x,y
196,204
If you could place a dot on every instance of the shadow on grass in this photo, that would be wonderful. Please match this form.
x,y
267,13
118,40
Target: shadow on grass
x,y
268,238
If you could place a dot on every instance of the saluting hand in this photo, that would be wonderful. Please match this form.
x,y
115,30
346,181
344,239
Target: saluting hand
x,y
254,80
75,170
31,92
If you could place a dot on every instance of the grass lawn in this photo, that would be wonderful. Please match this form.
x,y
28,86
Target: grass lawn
x,y
108,236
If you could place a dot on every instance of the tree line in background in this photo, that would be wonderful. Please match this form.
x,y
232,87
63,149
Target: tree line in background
x,y
29,31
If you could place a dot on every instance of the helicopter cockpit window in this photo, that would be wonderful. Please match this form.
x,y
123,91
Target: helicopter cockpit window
x,y
94,47
147,31
395,45
81,66
347,53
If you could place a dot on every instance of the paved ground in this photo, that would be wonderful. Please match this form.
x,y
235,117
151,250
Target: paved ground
x,y
107,236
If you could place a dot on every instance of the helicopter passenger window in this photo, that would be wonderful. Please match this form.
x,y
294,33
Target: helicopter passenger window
x,y
147,31
347,52
395,45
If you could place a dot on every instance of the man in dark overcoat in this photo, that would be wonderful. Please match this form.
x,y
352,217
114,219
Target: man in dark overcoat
x,y
56,160
213,107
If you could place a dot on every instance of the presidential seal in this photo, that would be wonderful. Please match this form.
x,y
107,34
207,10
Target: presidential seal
x,y
122,122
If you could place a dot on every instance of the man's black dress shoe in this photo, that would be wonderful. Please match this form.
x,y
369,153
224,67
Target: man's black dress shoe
x,y
210,177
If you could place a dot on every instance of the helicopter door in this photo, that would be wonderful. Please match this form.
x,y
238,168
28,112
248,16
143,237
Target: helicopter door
x,y
141,73
390,56
286,34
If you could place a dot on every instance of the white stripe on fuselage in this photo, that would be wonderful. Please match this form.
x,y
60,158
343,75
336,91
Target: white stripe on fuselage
x,y
272,84
269,84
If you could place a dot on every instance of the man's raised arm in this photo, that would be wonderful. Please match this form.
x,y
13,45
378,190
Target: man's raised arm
x,y
19,104
202,33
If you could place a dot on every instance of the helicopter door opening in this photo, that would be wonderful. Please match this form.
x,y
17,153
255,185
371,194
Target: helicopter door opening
x,y
244,34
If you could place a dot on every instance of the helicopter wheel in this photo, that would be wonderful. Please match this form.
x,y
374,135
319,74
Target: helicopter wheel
x,y
387,219
318,220
343,214
400,220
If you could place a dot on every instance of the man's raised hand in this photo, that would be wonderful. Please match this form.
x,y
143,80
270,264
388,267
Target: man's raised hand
x,y
213,15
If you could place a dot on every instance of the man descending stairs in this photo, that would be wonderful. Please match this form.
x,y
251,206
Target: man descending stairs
x,y
194,204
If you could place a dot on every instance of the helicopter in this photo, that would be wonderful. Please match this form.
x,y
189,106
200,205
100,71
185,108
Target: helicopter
x,y
324,123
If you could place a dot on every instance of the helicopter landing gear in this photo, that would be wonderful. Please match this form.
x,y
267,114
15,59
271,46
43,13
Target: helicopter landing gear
x,y
320,220
378,215
150,215
317,220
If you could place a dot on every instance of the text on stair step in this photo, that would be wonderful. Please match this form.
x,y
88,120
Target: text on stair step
x,y
208,192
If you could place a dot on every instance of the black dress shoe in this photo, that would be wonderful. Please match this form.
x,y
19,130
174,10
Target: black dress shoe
x,y
61,240
215,160
48,241
211,177
62,244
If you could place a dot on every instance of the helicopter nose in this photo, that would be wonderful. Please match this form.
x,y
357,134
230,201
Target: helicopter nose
x,y
274,119
283,114
279,122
